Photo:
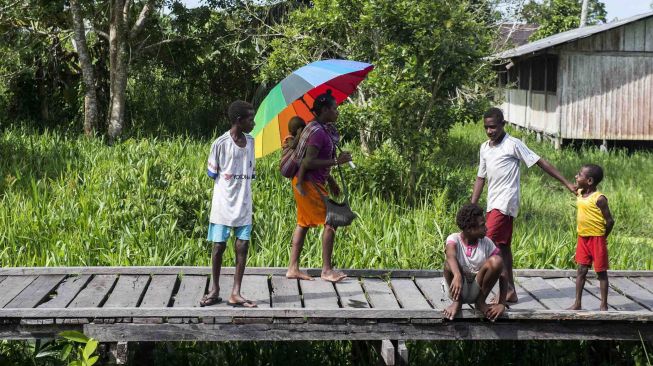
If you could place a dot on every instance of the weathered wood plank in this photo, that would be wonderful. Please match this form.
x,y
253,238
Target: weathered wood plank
x,y
127,292
645,282
632,290
255,288
319,294
387,352
12,286
94,293
159,291
351,294
544,292
432,289
226,283
344,313
379,294
408,295
36,291
285,293
189,270
191,290
615,299
66,291
526,301
567,288
317,332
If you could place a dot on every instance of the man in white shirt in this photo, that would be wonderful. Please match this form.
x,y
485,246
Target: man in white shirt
x,y
231,164
499,160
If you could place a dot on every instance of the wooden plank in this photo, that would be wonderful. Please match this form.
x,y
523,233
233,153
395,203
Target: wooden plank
x,y
226,287
14,271
379,294
256,288
434,291
319,294
38,290
351,294
644,282
321,332
66,291
127,292
408,295
12,286
402,353
632,290
344,313
526,301
387,352
94,293
285,293
567,288
615,299
191,290
159,291
546,294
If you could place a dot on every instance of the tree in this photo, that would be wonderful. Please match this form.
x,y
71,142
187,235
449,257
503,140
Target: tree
x,y
427,54
90,95
556,16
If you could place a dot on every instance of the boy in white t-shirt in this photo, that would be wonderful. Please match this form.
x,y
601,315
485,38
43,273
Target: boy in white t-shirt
x,y
472,266
499,160
231,164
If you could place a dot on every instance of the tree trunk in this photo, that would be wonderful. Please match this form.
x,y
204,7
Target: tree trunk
x,y
117,67
583,14
90,95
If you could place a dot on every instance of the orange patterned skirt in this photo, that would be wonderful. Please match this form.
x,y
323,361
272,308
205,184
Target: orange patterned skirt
x,y
311,210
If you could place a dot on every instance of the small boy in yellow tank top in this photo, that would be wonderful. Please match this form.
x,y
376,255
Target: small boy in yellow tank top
x,y
595,223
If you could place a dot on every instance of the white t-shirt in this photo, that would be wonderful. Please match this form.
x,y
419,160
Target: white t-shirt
x,y
499,165
233,168
472,257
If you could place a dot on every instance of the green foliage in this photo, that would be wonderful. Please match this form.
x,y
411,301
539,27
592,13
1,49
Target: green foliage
x,y
556,16
81,349
426,55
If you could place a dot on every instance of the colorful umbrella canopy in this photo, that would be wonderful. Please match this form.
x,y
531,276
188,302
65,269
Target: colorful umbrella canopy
x,y
292,96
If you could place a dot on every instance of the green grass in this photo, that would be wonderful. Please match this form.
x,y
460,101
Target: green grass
x,y
74,201
68,201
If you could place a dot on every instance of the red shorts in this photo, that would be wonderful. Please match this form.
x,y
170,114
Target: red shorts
x,y
499,227
593,249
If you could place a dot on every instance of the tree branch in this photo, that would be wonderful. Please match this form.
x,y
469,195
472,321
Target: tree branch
x,y
142,17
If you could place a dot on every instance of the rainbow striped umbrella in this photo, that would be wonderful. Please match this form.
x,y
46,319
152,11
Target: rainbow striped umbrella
x,y
292,96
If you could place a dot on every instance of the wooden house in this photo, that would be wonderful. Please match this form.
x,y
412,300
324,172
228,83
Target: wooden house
x,y
590,83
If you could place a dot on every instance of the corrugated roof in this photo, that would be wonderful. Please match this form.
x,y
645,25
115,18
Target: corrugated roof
x,y
568,36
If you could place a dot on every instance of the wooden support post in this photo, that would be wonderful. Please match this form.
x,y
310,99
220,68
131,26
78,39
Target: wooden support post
x,y
401,354
386,350
118,353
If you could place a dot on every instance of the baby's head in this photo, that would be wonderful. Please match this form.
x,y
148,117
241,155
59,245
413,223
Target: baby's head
x,y
295,125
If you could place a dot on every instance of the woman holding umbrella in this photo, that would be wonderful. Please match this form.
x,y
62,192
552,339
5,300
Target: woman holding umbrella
x,y
311,211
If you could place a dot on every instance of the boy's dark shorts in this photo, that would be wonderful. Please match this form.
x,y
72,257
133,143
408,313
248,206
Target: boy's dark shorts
x,y
499,227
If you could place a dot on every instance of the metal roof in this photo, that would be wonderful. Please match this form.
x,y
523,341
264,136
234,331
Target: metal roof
x,y
568,36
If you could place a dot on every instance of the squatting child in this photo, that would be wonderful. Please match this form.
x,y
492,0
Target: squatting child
x,y
231,165
473,266
594,224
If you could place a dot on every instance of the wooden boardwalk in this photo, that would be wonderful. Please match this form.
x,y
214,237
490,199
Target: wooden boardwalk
x,y
127,304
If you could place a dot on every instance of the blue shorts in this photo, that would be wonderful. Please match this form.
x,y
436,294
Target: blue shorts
x,y
221,233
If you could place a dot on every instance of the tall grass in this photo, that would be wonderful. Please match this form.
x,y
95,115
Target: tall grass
x,y
75,201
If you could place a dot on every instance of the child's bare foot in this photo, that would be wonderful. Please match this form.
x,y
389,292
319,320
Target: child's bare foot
x,y
482,307
451,310
299,189
603,307
292,274
511,297
240,302
333,276
575,306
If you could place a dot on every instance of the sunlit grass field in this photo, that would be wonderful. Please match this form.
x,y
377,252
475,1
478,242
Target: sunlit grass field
x,y
72,201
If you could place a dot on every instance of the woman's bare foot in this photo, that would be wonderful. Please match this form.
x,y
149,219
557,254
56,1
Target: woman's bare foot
x,y
297,274
333,276
575,306
451,310
603,307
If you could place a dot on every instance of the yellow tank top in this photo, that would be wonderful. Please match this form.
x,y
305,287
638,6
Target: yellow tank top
x,y
590,220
